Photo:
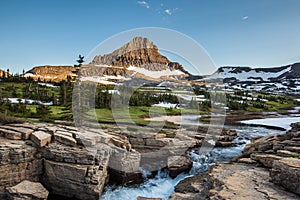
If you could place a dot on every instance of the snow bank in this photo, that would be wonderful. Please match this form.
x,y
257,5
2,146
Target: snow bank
x,y
282,122
29,101
155,74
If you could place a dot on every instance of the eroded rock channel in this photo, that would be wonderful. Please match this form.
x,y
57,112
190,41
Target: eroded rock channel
x,y
77,163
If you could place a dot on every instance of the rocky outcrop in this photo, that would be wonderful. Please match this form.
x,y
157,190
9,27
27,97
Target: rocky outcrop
x,y
27,190
269,168
3,74
286,173
77,163
51,73
231,181
55,156
139,52
179,164
222,137
19,160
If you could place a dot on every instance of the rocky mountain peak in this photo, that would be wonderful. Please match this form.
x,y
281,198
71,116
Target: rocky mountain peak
x,y
139,52
136,52
136,43
3,73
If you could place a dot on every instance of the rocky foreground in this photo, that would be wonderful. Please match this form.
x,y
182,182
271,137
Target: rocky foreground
x,y
269,168
38,159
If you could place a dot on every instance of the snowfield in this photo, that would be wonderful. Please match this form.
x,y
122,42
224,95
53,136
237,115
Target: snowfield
x,y
246,76
28,101
166,105
155,74
103,79
282,122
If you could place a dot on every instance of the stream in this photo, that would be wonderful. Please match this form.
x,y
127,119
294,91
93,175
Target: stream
x,y
162,185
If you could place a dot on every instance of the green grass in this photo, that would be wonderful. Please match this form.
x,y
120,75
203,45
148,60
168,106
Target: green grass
x,y
7,91
135,114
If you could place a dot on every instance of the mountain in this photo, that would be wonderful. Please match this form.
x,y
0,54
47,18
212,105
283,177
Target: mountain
x,y
53,73
285,79
139,61
139,52
3,73
247,74
139,58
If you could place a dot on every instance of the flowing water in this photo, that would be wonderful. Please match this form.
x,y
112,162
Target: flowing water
x,y
162,186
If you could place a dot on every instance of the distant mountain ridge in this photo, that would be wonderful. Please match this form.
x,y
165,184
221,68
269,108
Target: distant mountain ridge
x,y
244,74
140,59
51,73
3,73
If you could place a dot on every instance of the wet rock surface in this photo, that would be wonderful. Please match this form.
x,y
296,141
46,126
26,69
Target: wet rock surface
x,y
78,163
269,168
179,164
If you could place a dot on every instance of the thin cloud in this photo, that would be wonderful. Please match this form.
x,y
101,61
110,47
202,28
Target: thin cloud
x,y
245,17
143,3
168,11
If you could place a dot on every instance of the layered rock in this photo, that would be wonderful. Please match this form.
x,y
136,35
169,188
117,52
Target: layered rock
x,y
178,164
27,190
77,163
55,156
3,74
138,58
139,52
269,168
51,73
231,181
19,160
286,173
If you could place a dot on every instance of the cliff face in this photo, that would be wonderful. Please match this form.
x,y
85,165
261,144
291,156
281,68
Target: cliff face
x,y
139,58
140,52
53,73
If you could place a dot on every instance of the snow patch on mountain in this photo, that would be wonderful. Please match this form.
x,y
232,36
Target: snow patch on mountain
x,y
251,75
155,74
106,80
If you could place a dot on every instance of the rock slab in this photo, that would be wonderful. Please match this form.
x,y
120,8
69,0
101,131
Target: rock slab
x,y
41,138
286,172
27,190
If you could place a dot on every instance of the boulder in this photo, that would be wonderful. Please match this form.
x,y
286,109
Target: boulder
x,y
27,190
25,131
65,139
145,198
41,138
10,134
286,173
179,164
246,160
266,160
224,144
72,180
124,167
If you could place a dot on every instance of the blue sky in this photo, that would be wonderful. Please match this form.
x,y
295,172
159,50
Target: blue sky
x,y
257,33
